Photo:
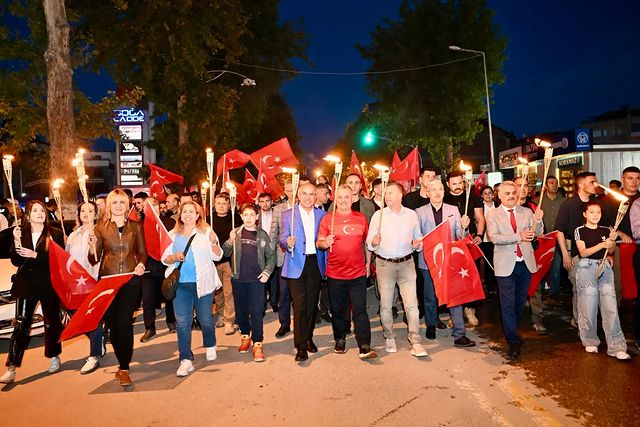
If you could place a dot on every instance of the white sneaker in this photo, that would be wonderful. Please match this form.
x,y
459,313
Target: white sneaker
x,y
8,377
418,350
470,314
54,365
591,349
212,353
90,365
622,355
229,329
185,368
390,345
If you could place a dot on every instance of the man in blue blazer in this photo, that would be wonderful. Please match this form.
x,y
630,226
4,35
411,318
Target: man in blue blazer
x,y
303,267
432,215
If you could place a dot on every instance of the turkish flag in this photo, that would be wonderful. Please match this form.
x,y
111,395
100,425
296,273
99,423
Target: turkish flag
x,y
334,185
156,236
628,271
233,159
544,259
474,249
395,163
408,170
266,183
455,277
356,168
133,215
93,307
159,178
247,191
70,280
480,182
273,157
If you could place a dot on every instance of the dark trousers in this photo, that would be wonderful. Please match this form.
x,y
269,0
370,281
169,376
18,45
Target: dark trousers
x,y
21,337
636,265
305,292
272,290
325,304
430,301
119,317
340,292
419,283
152,295
489,274
248,298
513,295
284,299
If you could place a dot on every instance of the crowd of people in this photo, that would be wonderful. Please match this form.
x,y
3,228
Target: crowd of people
x,y
305,255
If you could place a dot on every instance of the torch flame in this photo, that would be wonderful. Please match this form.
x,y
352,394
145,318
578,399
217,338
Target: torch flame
x,y
229,185
619,196
289,170
58,182
523,160
542,143
205,184
463,166
8,157
380,167
331,158
208,150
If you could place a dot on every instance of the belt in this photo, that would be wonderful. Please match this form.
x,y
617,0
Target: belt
x,y
395,260
311,255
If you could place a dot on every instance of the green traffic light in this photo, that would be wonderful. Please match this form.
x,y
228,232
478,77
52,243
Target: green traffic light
x,y
369,137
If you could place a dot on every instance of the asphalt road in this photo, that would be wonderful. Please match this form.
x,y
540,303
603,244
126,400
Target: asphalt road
x,y
555,383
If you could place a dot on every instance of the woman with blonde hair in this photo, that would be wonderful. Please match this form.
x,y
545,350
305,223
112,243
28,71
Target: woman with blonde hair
x,y
195,248
32,284
118,245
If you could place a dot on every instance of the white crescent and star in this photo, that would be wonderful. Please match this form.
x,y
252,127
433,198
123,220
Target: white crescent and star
x,y
347,229
438,248
97,297
69,264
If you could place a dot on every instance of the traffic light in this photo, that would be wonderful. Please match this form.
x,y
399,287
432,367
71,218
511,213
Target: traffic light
x,y
369,137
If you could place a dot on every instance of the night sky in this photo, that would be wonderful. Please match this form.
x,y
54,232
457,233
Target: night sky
x,y
566,61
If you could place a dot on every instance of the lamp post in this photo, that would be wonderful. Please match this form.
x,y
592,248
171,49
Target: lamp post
x,y
486,88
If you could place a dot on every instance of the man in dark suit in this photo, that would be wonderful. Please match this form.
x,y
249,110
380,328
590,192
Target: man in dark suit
x,y
512,228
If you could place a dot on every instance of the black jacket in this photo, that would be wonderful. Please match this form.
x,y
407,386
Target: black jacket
x,y
33,278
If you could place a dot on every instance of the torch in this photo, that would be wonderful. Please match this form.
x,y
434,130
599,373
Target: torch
x,y
78,162
548,155
622,210
204,189
384,177
468,180
56,196
337,174
210,158
8,169
233,197
295,183
524,173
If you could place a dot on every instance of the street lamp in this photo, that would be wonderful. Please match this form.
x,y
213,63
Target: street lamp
x,y
486,88
247,81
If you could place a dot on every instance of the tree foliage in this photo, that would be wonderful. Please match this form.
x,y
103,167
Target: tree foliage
x,y
437,108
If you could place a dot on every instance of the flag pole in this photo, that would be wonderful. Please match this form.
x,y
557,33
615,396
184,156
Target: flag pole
x,y
337,173
524,173
8,168
233,194
56,195
210,160
295,183
548,155
384,177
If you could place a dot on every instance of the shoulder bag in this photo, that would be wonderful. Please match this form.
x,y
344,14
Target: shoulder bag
x,y
170,283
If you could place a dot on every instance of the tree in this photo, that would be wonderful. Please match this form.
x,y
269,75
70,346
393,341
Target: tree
x,y
437,108
168,48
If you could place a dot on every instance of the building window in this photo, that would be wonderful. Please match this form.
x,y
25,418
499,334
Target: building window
x,y
635,127
597,133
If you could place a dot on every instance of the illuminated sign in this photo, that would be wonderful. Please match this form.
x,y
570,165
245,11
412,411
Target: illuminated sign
x,y
131,132
129,115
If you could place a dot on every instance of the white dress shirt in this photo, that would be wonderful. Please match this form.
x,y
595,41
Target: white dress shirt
x,y
398,230
309,224
265,220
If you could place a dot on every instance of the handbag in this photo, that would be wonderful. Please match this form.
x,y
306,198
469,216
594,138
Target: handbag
x,y
170,283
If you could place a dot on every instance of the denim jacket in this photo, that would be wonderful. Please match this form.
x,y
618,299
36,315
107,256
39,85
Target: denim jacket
x,y
266,251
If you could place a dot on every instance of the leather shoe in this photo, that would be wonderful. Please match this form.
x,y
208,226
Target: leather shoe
x,y
326,317
311,347
464,342
341,347
148,334
172,327
125,379
522,342
514,350
301,355
441,324
284,330
430,334
274,308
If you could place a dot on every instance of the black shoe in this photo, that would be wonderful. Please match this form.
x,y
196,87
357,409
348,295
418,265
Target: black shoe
x,y
326,317
318,318
195,325
341,347
106,333
172,327
311,347
431,333
148,334
521,342
284,330
394,311
301,355
367,353
464,342
514,350
275,308
441,324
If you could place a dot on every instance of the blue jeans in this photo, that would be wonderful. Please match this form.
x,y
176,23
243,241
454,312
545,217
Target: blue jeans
x,y
594,292
430,300
96,341
554,274
457,319
513,295
184,302
248,298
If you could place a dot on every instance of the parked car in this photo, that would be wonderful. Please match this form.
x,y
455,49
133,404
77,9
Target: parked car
x,y
8,304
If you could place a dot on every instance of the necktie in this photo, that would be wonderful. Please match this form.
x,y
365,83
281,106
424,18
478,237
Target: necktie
x,y
512,217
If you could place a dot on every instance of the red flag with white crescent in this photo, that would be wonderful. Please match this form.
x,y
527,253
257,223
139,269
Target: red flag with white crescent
x,y
395,162
92,309
159,178
133,214
247,191
70,280
273,157
544,260
156,236
233,159
356,168
628,271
